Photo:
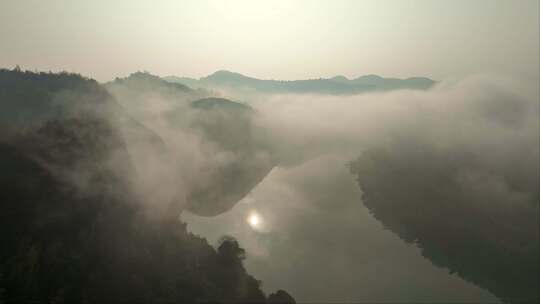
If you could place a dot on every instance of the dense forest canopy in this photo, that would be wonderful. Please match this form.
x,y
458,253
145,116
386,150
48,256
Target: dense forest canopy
x,y
73,228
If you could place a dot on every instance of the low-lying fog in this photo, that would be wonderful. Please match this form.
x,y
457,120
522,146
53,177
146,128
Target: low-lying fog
x,y
319,242
470,145
315,237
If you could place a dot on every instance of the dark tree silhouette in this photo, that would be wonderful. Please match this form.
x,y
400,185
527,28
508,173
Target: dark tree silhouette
x,y
281,296
482,238
73,231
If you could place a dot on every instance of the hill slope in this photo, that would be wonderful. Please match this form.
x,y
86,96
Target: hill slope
x,y
74,229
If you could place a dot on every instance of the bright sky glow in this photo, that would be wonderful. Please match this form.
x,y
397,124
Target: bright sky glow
x,y
279,39
254,220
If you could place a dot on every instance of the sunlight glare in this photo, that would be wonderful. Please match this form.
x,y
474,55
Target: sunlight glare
x,y
254,220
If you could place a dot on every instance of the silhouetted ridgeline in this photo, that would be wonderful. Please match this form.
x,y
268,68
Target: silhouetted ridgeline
x,y
338,85
32,98
72,228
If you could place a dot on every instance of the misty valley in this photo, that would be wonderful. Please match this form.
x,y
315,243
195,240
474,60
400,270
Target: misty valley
x,y
228,188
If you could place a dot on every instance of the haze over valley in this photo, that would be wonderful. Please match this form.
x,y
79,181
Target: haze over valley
x,y
269,152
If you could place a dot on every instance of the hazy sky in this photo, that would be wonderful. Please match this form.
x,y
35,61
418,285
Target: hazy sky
x,y
272,39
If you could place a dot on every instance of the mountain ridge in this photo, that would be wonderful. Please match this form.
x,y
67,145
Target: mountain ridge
x,y
337,85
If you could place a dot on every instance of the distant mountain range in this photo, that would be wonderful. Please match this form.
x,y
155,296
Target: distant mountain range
x,y
338,85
